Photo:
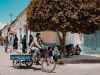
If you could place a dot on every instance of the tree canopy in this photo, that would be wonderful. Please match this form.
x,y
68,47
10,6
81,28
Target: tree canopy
x,y
76,16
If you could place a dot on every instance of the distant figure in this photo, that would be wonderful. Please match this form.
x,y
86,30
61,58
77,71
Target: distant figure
x,y
10,44
6,44
69,50
15,42
21,42
78,50
24,47
30,39
4,39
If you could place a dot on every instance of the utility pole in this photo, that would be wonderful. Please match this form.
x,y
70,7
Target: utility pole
x,y
11,16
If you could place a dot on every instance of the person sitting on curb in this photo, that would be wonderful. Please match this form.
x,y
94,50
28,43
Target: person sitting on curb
x,y
56,54
78,50
70,50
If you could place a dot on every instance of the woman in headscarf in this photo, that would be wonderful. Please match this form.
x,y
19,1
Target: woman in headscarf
x,y
24,47
30,40
15,42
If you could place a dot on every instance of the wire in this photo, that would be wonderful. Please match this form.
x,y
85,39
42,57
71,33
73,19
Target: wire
x,y
7,13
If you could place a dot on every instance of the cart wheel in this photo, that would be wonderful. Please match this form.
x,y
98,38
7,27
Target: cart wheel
x,y
16,63
48,65
29,63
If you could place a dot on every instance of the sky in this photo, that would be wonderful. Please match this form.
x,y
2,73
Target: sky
x,y
14,7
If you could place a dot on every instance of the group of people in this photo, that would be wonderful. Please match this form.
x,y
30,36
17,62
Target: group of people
x,y
36,46
70,50
11,44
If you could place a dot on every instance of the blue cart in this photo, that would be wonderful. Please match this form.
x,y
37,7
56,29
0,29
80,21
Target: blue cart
x,y
18,59
47,64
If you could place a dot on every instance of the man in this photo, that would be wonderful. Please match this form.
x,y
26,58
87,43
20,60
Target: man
x,y
36,45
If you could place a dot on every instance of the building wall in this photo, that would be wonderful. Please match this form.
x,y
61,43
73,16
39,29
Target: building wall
x,y
79,40
70,39
49,37
22,26
92,43
5,30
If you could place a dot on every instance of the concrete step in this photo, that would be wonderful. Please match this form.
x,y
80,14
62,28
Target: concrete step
x,y
82,61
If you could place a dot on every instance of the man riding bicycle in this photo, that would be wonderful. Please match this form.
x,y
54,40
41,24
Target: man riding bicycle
x,y
36,45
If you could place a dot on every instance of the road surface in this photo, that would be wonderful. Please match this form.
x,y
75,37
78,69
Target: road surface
x,y
6,68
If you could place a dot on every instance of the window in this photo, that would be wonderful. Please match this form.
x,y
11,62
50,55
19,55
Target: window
x,y
19,23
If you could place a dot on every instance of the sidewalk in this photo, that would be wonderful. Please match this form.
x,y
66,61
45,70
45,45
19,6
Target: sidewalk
x,y
18,51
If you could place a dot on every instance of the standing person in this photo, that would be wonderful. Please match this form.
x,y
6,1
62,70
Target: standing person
x,y
24,44
4,39
6,44
21,42
15,42
30,39
10,44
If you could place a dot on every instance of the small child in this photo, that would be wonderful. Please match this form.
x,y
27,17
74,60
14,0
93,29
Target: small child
x,y
10,44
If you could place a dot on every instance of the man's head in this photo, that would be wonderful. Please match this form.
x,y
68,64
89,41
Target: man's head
x,y
38,35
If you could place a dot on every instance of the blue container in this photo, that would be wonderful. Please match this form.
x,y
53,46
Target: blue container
x,y
21,57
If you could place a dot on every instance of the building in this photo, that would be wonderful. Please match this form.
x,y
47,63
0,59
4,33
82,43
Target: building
x,y
5,30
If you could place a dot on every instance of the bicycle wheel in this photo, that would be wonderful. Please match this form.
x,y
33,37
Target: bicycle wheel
x,y
16,63
48,65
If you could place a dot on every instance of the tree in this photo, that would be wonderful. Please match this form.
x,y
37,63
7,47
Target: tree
x,y
75,16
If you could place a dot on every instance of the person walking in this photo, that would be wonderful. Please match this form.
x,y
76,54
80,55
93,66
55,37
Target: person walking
x,y
6,44
21,42
4,39
24,47
15,43
10,45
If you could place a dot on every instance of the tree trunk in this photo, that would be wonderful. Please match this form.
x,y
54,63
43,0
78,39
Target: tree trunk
x,y
30,32
62,41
